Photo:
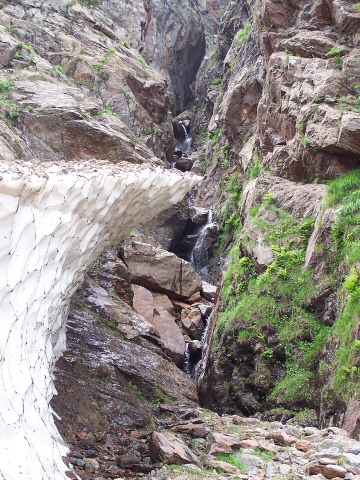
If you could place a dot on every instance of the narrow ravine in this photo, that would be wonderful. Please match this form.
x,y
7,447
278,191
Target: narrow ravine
x,y
220,340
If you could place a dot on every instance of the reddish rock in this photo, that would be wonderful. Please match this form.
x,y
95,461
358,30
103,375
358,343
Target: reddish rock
x,y
169,449
304,445
158,270
283,439
196,430
351,421
143,302
170,335
221,443
329,471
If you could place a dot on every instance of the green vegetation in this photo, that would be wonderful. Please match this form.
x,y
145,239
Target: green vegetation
x,y
25,52
232,459
113,326
319,98
357,7
5,86
242,35
214,137
139,393
229,218
58,68
336,53
90,3
349,103
217,81
275,299
256,168
344,194
266,455
142,61
202,160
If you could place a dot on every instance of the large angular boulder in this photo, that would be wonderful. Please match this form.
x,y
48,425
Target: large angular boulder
x,y
169,449
158,270
170,335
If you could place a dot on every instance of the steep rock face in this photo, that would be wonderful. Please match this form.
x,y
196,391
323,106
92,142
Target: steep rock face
x,y
90,56
169,35
279,92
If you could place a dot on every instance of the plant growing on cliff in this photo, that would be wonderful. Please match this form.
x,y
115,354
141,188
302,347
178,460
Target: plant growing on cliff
x,y
343,193
242,35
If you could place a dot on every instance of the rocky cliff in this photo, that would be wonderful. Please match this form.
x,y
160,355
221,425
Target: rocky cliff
x,y
279,91
271,89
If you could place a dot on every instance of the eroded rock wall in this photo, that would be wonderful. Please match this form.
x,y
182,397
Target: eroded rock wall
x,y
278,103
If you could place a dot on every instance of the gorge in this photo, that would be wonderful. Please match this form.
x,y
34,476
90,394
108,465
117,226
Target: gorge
x,y
104,105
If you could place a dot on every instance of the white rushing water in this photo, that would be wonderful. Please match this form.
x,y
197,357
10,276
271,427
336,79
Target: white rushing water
x,y
55,220
199,254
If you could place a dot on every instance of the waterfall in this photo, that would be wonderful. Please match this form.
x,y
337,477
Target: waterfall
x,y
186,145
187,366
200,254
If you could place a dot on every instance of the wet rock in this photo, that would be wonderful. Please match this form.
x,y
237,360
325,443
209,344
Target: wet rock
x,y
184,164
195,346
169,449
209,291
192,321
159,270
198,215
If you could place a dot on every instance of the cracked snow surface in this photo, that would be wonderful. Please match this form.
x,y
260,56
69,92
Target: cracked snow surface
x,y
55,221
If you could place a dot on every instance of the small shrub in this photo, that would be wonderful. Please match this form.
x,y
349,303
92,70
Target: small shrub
x,y
217,81
319,98
58,68
5,86
335,52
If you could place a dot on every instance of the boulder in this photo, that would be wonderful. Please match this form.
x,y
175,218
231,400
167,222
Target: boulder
x,y
8,48
162,301
143,302
329,471
208,291
198,215
196,430
158,270
168,448
283,439
170,335
192,320
221,443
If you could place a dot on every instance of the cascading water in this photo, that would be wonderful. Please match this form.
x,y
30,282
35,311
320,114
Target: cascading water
x,y
187,365
186,145
203,340
200,253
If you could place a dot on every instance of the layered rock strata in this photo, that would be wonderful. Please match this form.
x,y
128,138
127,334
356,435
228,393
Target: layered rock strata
x,y
56,219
